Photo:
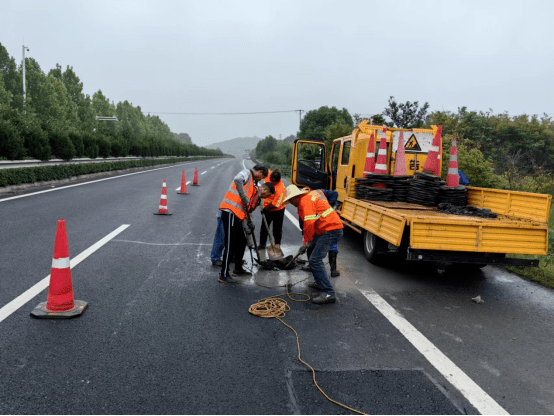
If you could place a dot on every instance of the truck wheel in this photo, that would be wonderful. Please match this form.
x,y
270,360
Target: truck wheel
x,y
373,246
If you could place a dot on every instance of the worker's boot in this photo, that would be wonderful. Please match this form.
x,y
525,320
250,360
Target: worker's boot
x,y
333,264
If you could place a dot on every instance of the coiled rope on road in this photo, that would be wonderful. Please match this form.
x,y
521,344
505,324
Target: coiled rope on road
x,y
276,307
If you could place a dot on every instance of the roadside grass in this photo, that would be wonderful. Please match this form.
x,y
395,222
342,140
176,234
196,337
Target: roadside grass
x,y
544,274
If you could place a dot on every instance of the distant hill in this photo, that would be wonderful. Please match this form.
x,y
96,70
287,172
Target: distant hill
x,y
237,146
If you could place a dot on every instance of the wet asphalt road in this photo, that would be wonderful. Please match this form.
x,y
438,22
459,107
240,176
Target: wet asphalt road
x,y
162,336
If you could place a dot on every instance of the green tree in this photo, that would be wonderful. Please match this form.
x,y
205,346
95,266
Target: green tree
x,y
334,131
11,78
406,116
315,122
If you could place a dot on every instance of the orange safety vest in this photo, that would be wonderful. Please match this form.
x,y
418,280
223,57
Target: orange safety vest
x,y
317,215
277,199
232,199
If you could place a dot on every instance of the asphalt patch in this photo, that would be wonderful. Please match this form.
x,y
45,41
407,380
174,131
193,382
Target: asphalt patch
x,y
380,392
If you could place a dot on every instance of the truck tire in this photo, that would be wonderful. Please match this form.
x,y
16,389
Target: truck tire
x,y
373,247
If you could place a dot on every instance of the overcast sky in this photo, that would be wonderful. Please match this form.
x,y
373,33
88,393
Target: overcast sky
x,y
264,56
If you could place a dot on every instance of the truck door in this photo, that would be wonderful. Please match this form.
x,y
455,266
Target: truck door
x,y
343,171
309,167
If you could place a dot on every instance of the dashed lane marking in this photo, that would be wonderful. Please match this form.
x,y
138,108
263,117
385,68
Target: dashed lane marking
x,y
26,296
204,172
179,188
163,244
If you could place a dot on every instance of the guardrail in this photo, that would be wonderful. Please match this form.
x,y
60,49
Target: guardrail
x,y
9,164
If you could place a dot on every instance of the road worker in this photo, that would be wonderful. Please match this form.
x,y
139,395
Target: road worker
x,y
321,220
233,213
274,211
332,197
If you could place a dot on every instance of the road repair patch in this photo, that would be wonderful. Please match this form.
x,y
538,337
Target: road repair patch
x,y
382,391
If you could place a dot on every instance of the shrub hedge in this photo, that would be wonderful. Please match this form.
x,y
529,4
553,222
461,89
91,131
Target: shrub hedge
x,y
17,176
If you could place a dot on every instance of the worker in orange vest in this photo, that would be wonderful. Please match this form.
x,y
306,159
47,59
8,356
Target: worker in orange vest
x,y
233,213
273,210
319,219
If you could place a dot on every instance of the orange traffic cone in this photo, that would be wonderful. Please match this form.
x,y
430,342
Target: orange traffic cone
x,y
60,303
369,166
452,179
195,180
381,165
400,164
162,210
183,189
432,163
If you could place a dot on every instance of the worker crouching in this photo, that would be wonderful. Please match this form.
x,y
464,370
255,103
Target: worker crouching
x,y
321,220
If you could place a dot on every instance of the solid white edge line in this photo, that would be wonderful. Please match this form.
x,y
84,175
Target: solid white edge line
x,y
485,404
86,183
471,391
29,294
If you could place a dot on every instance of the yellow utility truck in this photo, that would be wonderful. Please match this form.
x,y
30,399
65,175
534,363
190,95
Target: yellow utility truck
x,y
420,232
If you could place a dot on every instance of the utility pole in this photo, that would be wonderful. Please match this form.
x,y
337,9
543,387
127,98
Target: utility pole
x,y
24,88
299,112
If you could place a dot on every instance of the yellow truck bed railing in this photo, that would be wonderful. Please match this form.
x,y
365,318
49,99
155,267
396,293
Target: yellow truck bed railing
x,y
521,226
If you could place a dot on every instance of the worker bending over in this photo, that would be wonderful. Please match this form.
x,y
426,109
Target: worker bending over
x,y
321,220
331,197
233,213
273,210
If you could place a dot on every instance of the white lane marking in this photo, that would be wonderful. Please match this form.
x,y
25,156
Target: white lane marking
x,y
84,183
243,165
204,172
471,391
292,219
179,188
213,167
164,244
29,294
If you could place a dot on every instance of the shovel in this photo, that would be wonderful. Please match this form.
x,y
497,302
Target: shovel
x,y
274,253
292,261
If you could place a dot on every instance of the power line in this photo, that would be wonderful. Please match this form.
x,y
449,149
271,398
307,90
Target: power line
x,y
222,114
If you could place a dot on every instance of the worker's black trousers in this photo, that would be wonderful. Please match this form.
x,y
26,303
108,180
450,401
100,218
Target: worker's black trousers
x,y
235,242
275,218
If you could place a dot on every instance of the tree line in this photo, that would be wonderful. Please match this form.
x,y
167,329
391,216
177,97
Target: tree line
x,y
58,120
494,150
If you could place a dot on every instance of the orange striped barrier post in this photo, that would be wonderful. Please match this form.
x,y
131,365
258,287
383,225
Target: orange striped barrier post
x,y
369,166
183,188
162,210
432,163
400,163
452,178
60,303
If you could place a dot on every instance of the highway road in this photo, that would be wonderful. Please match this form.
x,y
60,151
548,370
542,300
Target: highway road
x,y
162,336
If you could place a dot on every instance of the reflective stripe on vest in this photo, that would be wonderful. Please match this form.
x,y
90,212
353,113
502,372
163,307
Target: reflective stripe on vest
x,y
237,203
327,212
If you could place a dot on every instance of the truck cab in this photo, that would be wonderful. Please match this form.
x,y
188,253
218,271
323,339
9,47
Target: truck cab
x,y
312,168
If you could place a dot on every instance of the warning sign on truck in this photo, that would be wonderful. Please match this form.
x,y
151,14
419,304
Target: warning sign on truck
x,y
413,141
412,144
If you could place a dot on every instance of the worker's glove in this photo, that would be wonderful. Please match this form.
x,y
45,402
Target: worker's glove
x,y
302,250
251,226
245,201
309,244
